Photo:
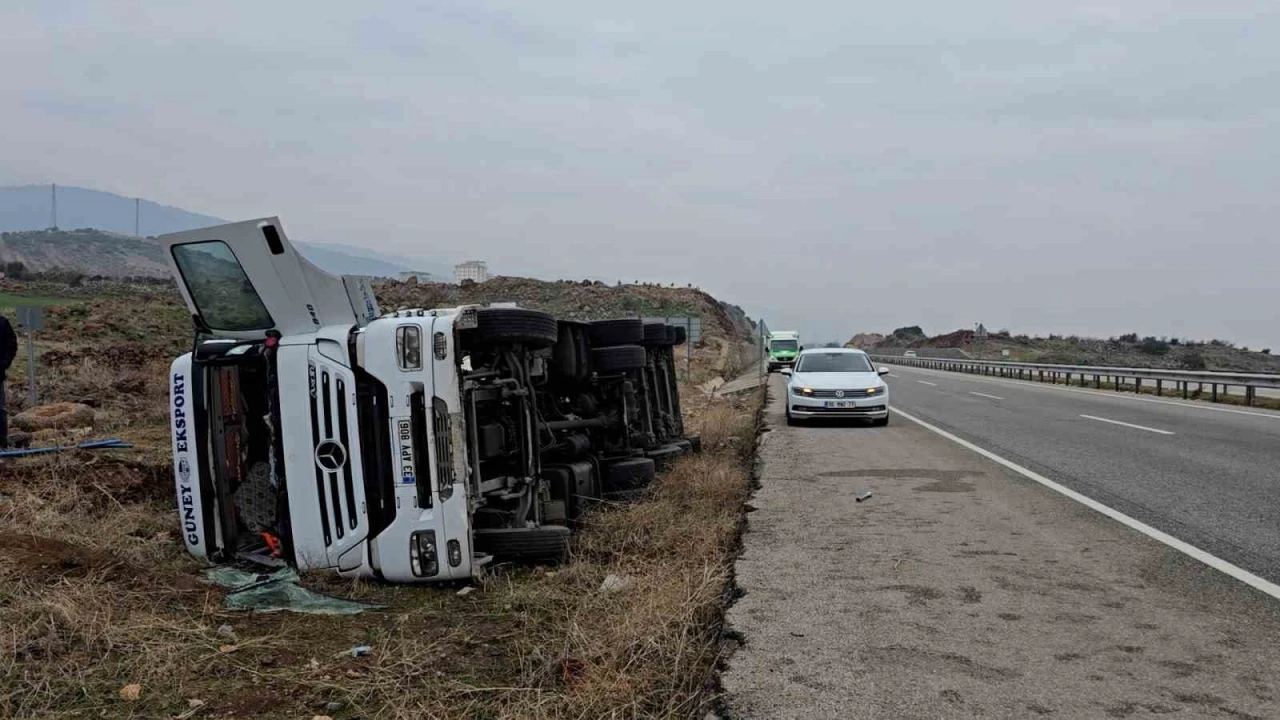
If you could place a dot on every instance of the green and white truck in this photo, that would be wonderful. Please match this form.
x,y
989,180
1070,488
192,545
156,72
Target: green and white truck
x,y
784,346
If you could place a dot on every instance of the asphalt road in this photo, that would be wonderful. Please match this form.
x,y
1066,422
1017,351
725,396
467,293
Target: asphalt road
x,y
960,588
1205,474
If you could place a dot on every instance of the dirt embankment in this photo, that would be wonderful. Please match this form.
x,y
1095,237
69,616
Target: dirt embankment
x,y
98,592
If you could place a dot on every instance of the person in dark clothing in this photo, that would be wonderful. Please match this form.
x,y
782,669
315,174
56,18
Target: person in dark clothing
x,y
8,350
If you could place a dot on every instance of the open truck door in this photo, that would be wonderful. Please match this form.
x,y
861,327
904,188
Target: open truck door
x,y
244,279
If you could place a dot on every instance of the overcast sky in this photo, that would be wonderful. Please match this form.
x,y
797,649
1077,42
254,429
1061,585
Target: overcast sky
x,y
1087,167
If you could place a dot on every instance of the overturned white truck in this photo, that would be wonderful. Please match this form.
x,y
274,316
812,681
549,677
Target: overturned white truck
x,y
412,446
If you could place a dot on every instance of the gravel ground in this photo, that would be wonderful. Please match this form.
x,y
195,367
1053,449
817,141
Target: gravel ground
x,y
960,589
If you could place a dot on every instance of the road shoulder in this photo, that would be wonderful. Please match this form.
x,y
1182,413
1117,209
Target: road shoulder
x,y
961,589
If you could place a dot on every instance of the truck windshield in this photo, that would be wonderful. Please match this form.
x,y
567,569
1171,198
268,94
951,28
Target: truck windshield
x,y
833,362
783,345
218,286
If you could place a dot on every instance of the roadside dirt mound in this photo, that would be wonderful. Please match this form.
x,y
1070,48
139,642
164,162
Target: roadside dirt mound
x,y
574,300
119,355
55,416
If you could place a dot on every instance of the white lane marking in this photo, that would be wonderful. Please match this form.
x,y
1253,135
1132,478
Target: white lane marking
x,y
926,382
993,397
1192,551
1190,404
1136,427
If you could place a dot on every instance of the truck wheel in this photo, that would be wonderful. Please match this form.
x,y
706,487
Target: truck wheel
x,y
497,326
627,476
545,544
671,336
623,331
622,358
695,442
564,355
681,335
655,334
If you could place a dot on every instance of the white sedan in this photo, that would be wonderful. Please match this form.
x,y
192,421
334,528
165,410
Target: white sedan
x,y
836,383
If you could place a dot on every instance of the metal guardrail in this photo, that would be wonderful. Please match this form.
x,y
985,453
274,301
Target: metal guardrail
x,y
1117,376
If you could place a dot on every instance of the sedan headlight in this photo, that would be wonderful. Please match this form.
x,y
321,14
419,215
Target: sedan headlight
x,y
798,390
873,391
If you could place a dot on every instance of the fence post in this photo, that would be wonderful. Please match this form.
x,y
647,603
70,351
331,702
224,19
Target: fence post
x,y
31,368
1248,395
688,348
1215,392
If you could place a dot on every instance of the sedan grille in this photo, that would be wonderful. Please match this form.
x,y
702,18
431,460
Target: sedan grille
x,y
843,393
839,411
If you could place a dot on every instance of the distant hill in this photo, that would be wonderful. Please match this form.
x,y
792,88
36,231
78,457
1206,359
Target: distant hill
x,y
1129,350
96,237
27,207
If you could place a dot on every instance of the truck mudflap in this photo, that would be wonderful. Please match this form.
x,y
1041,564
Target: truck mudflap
x,y
187,477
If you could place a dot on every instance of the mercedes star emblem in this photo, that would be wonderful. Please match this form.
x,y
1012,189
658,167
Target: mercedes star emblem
x,y
331,456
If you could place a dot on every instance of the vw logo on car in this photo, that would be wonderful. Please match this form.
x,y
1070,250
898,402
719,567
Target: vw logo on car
x,y
331,456
839,393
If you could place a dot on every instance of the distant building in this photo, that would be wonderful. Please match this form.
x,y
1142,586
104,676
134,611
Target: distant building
x,y
419,275
473,270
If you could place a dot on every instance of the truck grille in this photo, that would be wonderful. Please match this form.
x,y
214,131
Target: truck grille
x,y
444,445
330,433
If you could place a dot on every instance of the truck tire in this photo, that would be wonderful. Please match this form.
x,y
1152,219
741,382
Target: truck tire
x,y
582,343
672,336
545,544
695,442
623,358
623,331
564,354
622,478
570,356
681,335
498,326
655,334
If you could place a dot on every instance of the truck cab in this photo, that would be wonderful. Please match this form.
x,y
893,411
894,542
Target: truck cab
x,y
311,429
783,348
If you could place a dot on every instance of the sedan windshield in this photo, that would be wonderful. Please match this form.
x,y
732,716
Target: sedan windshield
x,y
833,362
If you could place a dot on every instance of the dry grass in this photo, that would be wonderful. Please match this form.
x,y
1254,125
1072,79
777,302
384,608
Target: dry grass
x,y
96,593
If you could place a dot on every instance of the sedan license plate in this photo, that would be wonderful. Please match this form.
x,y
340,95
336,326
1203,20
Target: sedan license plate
x,y
840,404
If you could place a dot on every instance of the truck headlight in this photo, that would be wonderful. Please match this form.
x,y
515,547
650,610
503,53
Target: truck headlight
x,y
423,557
455,553
409,347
